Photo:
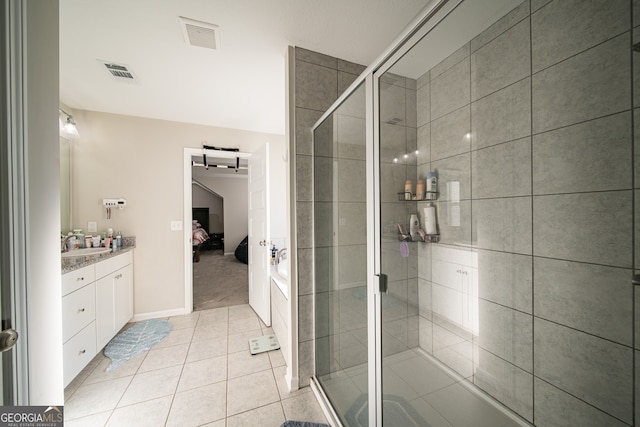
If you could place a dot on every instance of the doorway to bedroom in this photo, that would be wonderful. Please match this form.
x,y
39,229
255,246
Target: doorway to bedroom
x,y
219,212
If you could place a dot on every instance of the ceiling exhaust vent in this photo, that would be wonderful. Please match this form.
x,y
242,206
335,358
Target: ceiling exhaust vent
x,y
120,72
201,34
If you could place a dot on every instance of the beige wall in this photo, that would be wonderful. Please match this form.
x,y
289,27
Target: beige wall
x,y
142,160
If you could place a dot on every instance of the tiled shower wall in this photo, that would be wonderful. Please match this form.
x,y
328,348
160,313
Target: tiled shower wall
x,y
319,81
544,216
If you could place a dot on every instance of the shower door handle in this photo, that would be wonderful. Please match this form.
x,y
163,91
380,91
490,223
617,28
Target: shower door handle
x,y
381,280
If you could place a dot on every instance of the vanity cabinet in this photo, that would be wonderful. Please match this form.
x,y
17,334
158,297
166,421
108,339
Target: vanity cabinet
x,y
97,301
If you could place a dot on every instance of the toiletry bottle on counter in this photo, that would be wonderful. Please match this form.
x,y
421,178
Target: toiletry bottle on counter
x,y
119,240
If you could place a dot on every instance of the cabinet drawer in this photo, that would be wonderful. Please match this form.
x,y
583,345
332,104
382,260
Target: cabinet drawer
x,y
110,265
78,310
77,279
78,352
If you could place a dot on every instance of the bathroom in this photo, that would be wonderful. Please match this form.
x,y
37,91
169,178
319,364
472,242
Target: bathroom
x,y
526,114
562,257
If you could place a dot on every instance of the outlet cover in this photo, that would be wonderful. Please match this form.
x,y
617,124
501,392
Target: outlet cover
x,y
176,225
92,226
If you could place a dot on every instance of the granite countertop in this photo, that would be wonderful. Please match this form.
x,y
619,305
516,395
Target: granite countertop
x,y
75,263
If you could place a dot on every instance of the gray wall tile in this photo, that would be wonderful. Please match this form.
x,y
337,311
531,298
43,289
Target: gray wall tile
x,y
352,181
423,80
354,105
323,143
423,106
350,67
592,84
305,362
505,278
305,315
450,90
637,383
556,408
636,148
636,12
636,69
411,103
454,222
449,134
591,298
316,58
392,104
503,116
351,137
537,4
392,179
393,142
316,86
637,231
590,368
591,156
504,381
304,178
352,265
305,271
567,27
507,333
504,61
500,26
344,81
424,298
394,265
352,228
304,226
324,267
454,180
565,226
450,61
424,144
322,224
502,170
306,118
323,179
503,224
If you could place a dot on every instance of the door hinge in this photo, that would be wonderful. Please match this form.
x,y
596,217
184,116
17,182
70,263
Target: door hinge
x,y
382,283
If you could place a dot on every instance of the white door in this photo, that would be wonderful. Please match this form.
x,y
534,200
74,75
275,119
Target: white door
x,y
259,289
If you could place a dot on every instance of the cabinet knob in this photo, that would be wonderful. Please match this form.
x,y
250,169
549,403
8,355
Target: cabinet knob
x,y
81,310
82,352
80,279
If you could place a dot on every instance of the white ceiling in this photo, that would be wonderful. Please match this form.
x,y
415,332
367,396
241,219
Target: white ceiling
x,y
241,85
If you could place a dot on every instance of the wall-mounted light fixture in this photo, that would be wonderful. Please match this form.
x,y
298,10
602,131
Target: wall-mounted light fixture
x,y
68,128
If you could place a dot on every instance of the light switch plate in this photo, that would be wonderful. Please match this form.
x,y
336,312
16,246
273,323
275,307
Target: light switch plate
x,y
176,225
92,226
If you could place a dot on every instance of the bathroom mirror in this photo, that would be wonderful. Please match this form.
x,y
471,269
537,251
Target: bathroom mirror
x,y
65,185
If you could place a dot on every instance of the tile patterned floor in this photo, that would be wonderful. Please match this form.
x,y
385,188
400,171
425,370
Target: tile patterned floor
x,y
201,374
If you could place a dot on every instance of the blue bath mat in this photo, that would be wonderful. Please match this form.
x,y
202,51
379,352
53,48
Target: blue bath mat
x,y
133,341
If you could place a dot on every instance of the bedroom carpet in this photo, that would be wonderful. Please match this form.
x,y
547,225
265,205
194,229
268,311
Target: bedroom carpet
x,y
219,281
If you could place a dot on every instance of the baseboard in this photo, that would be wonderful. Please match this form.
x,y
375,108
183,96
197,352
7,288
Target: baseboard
x,y
159,314
229,253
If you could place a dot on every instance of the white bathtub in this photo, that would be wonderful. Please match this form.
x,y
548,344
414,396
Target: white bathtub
x,y
279,275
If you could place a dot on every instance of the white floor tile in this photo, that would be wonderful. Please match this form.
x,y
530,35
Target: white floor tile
x,y
269,415
250,392
152,413
203,372
206,349
303,408
214,315
176,337
130,367
212,330
151,385
244,325
95,398
164,358
242,311
198,406
97,420
240,342
244,363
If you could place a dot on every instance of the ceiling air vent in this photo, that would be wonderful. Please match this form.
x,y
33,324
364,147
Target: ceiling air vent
x,y
120,72
201,34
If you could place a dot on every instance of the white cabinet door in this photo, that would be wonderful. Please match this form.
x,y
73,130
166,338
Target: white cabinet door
x,y
105,310
114,304
123,296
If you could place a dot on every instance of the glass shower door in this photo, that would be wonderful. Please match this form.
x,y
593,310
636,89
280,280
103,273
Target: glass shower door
x,y
340,245
429,323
